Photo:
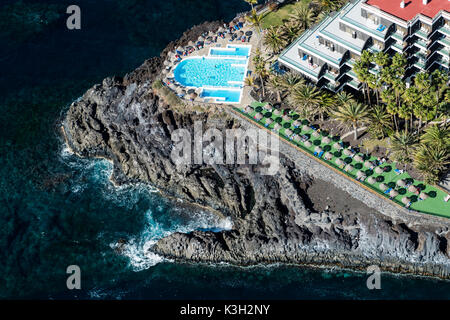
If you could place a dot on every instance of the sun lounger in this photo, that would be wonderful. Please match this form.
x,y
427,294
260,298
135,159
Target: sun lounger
x,y
398,171
321,154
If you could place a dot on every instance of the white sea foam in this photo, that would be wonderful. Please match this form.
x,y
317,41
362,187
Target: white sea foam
x,y
137,248
158,222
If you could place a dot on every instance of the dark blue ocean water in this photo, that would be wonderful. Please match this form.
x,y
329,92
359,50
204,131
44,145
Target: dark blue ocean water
x,y
58,210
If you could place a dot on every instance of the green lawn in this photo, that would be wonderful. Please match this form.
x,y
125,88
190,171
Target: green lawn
x,y
276,18
434,205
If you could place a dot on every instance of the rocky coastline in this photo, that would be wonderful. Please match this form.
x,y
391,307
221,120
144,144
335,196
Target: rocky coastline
x,y
295,217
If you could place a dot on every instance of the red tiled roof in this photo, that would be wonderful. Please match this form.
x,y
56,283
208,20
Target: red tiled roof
x,y
412,7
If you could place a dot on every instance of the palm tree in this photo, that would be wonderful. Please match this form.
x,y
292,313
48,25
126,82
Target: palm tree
x,y
411,96
274,39
351,115
424,108
436,136
362,72
381,59
399,87
275,85
251,2
290,31
303,15
380,122
431,161
262,73
374,83
250,82
325,104
343,98
402,146
398,65
329,4
422,81
255,20
291,80
305,99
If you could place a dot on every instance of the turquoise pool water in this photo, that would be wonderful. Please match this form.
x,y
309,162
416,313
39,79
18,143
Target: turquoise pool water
x,y
231,50
222,95
210,72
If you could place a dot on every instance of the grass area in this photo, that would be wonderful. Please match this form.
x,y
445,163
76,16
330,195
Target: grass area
x,y
277,17
434,205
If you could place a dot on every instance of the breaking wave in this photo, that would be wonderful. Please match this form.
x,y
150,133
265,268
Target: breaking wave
x,y
161,216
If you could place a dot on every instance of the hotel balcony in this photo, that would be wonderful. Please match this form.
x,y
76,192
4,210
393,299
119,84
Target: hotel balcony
x,y
444,52
399,36
351,15
331,31
397,47
444,41
327,52
423,33
445,30
421,44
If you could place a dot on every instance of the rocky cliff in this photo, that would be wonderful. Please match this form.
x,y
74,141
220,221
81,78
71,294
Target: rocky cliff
x,y
291,217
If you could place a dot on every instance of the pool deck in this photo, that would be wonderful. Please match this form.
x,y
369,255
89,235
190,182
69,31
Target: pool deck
x,y
222,43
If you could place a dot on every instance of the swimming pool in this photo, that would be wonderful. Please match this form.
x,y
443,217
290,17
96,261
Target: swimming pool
x,y
220,75
222,95
213,72
231,50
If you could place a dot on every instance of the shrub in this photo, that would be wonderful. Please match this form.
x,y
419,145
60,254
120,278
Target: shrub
x,y
157,84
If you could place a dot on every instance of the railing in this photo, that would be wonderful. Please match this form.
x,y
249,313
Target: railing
x,y
310,72
344,17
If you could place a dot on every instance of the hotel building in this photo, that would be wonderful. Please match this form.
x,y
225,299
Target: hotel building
x,y
326,53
